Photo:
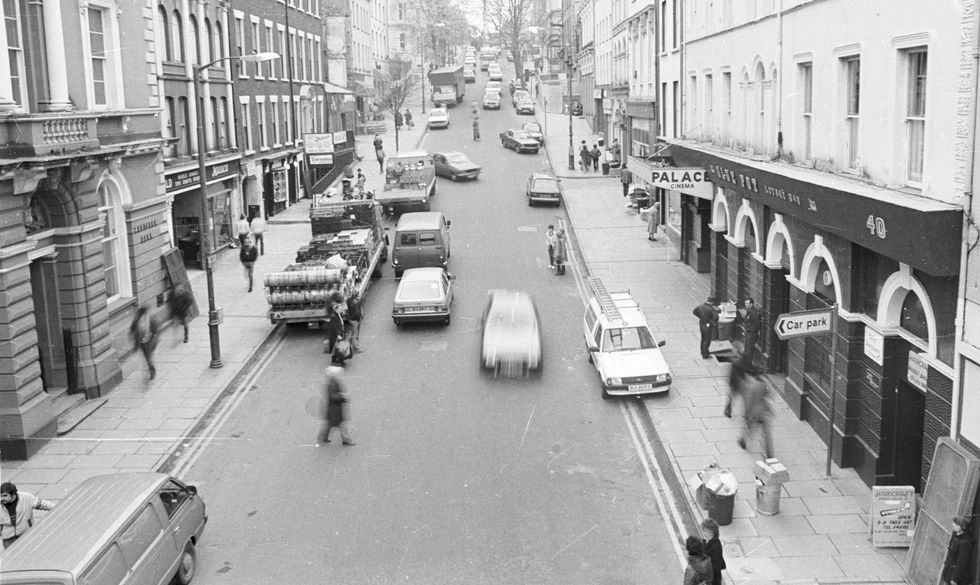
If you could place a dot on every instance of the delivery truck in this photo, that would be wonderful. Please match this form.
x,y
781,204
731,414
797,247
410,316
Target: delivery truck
x,y
448,86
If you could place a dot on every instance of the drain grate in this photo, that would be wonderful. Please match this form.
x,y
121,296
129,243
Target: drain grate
x,y
727,357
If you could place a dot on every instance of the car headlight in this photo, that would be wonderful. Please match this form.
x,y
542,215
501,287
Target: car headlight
x,y
613,381
663,378
394,261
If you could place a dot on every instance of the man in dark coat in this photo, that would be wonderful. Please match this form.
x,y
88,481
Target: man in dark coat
x,y
248,255
626,176
753,322
379,152
956,569
740,370
334,407
707,316
596,155
335,332
181,302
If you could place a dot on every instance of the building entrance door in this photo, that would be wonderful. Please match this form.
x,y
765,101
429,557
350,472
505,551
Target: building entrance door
x,y
50,339
910,408
778,304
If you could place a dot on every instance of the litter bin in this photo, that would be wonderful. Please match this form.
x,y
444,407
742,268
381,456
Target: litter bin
x,y
697,483
605,168
770,475
721,493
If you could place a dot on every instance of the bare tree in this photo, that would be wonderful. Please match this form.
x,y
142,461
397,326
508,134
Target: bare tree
x,y
393,84
511,18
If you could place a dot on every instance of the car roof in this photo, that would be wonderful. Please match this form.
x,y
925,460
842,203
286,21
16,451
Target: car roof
x,y
509,300
543,176
429,273
450,153
630,314
419,220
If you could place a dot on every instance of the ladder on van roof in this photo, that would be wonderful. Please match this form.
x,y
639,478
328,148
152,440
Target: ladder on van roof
x,y
605,299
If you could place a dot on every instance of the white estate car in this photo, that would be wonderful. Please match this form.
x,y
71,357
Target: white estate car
x,y
439,118
621,345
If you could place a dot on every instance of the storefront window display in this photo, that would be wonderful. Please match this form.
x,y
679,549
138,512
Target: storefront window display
x,y
640,136
674,210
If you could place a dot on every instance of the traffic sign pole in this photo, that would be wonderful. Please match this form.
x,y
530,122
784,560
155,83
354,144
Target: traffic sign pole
x,y
833,388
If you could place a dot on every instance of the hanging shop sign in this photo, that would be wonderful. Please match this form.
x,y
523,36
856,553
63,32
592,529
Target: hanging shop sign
x,y
318,143
692,181
892,515
188,178
918,373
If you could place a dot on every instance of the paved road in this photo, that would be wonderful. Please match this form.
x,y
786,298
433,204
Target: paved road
x,y
456,477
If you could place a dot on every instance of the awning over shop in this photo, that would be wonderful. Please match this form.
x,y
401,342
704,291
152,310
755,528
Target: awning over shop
x,y
920,232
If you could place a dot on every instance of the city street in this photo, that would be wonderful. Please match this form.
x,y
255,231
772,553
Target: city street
x,y
456,477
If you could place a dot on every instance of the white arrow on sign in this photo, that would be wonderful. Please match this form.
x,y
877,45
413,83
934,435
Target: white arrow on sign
x,y
803,323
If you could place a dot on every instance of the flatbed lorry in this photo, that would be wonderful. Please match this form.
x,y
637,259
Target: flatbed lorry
x,y
347,251
410,181
448,85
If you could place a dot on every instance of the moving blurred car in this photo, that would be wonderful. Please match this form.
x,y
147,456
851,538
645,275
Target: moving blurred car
x,y
424,294
534,129
496,74
525,105
455,165
519,140
491,100
543,188
519,94
511,334
438,118
469,74
493,86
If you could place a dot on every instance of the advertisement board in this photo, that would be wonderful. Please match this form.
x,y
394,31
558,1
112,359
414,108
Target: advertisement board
x,y
892,515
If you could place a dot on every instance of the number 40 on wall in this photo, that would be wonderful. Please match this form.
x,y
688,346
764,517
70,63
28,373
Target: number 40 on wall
x,y
876,225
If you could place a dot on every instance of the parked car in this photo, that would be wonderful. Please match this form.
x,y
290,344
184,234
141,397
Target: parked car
x,y
525,105
491,100
519,140
469,74
456,166
543,188
493,86
518,95
495,74
511,334
534,129
424,294
438,118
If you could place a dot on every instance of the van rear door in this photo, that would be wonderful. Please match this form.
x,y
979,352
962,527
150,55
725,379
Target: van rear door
x,y
406,250
185,511
431,249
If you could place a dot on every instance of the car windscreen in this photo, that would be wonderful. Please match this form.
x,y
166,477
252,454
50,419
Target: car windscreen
x,y
545,186
457,157
522,136
421,290
492,95
626,339
532,127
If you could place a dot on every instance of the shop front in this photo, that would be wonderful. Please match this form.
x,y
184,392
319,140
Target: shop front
x,y
183,185
888,263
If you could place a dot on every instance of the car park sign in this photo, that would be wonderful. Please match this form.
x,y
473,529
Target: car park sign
x,y
804,323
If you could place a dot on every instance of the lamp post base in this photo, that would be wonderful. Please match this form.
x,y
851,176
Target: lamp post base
x,y
571,158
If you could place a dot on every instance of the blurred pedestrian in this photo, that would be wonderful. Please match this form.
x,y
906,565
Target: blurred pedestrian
x,y
335,408
361,179
699,570
752,322
615,149
707,315
143,331
758,412
476,128
241,229
959,553
181,301
596,155
653,221
248,255
550,239
355,315
334,328
712,548
626,176
561,251
408,119
379,152
585,157
739,371
257,227
17,512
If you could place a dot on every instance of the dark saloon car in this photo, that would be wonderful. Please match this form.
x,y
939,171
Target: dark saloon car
x,y
519,140
534,129
542,188
455,165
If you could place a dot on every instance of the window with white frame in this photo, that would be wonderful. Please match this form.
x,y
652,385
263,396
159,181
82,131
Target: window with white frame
x,y
915,114
289,119
169,131
310,75
178,36
270,66
260,123
292,53
15,51
219,40
318,71
195,49
852,109
302,57
209,42
183,127
692,109
281,49
640,136
276,129
115,259
709,107
726,108
247,125
257,44
806,95
223,124
99,47
240,43
298,138
164,40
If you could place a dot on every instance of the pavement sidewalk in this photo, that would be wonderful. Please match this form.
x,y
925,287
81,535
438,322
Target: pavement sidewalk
x,y
821,534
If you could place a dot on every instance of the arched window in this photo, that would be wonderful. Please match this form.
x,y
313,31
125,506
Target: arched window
x,y
760,99
209,42
168,128
183,127
178,37
913,318
223,124
219,40
195,48
115,259
164,40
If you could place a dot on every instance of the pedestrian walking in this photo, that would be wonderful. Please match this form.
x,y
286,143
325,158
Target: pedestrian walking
x,y
585,156
335,407
615,149
408,119
248,255
626,176
560,251
143,330
17,512
707,315
361,179
334,328
550,239
712,548
355,314
257,227
752,323
181,302
959,553
241,229
758,412
476,128
379,152
653,221
398,119
699,570
739,371
596,154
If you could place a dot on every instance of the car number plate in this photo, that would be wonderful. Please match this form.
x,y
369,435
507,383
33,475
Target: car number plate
x,y
640,387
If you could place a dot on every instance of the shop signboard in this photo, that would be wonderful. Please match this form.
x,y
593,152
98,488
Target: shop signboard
x,y
320,160
191,177
918,371
340,138
892,515
318,143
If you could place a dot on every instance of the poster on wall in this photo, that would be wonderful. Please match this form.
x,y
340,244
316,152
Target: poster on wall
x,y
892,515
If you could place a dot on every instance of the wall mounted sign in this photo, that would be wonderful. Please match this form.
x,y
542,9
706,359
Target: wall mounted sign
x,y
803,323
918,374
318,143
874,345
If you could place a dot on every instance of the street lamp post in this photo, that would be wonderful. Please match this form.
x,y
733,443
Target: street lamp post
x,y
206,227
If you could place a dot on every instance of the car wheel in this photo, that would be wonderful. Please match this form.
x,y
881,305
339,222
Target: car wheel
x,y
188,564
448,319
397,323
398,274
605,394
530,202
